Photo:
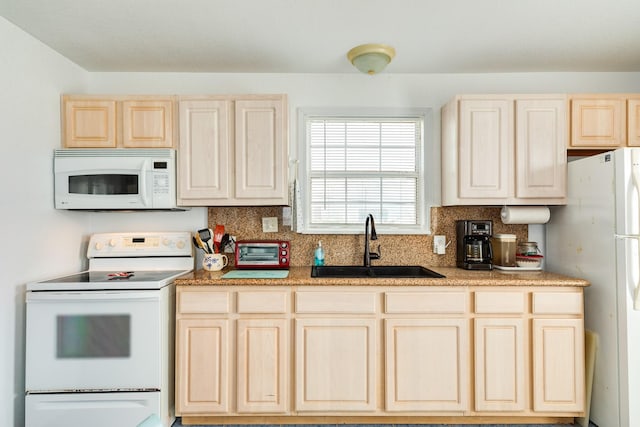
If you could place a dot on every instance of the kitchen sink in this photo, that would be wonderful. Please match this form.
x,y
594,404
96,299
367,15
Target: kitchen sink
x,y
384,271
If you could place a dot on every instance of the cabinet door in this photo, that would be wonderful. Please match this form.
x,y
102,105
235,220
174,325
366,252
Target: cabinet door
x,y
426,365
204,158
261,171
202,366
558,365
541,159
89,123
335,365
500,376
147,124
633,128
262,365
485,149
598,121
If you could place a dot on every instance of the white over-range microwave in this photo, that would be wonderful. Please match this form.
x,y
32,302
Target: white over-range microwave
x,y
115,179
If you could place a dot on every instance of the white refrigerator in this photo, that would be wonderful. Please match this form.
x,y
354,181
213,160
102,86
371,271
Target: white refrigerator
x,y
596,237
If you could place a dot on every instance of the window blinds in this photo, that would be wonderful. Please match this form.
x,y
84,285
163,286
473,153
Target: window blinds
x,y
364,165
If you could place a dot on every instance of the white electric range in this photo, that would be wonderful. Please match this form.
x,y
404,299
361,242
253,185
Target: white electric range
x,y
100,343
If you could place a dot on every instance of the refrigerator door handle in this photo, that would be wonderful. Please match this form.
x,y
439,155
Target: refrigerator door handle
x,y
636,292
635,173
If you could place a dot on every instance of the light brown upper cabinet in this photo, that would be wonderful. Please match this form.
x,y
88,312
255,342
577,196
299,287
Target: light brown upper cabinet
x,y
633,121
117,121
233,151
504,149
605,121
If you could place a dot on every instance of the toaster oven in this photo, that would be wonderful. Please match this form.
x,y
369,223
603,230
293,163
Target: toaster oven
x,y
263,253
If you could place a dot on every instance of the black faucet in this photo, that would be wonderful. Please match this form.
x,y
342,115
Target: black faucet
x,y
368,256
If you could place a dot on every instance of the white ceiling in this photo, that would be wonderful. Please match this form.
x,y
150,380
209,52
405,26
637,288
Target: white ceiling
x,y
313,36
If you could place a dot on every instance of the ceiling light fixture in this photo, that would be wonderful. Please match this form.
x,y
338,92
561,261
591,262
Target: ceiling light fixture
x,y
371,58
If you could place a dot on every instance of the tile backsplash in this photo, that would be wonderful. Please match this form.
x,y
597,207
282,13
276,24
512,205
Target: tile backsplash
x,y
246,223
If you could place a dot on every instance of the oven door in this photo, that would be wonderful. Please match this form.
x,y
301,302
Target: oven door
x,y
94,340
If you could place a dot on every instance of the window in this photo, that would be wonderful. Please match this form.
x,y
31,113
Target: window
x,y
354,165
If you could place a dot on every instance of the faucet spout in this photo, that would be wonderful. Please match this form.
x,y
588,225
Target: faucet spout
x,y
370,233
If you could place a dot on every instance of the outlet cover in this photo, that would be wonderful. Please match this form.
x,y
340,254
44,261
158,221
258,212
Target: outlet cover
x,y
270,224
439,245
286,216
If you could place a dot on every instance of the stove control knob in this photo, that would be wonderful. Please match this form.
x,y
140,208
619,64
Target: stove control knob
x,y
99,246
180,244
113,242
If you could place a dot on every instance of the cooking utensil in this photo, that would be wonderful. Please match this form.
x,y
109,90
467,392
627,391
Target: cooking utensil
x,y
213,243
224,242
201,244
206,235
218,232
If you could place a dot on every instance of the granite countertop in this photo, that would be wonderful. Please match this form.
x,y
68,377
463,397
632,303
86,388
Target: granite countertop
x,y
301,276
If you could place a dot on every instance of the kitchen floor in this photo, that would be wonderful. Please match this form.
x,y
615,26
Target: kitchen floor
x,y
178,423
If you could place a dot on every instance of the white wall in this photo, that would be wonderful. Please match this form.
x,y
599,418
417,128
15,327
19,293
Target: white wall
x,y
40,242
37,240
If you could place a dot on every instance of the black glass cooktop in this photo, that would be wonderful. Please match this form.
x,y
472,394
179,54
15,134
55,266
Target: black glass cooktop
x,y
115,276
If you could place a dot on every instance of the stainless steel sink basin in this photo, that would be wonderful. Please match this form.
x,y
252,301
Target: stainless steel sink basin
x,y
385,271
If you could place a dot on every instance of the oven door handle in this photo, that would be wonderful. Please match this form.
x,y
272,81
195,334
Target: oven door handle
x,y
141,296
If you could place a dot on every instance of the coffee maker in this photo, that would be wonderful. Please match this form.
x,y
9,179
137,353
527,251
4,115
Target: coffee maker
x,y
474,244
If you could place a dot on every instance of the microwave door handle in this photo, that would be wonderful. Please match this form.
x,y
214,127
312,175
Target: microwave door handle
x,y
143,183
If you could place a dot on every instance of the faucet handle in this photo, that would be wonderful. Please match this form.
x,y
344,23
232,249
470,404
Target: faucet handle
x,y
375,255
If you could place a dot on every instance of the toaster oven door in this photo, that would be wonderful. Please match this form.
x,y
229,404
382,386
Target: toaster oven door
x,y
257,255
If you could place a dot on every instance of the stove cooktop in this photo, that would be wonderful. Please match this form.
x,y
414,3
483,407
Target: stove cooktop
x,y
99,280
110,276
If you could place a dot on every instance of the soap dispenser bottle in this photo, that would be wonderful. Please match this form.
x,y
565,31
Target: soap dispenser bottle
x,y
318,258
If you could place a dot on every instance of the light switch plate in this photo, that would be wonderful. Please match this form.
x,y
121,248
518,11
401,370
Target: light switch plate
x,y
270,224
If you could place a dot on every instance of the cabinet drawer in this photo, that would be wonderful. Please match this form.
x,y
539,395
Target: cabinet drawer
x,y
500,302
557,302
262,302
196,302
336,302
425,302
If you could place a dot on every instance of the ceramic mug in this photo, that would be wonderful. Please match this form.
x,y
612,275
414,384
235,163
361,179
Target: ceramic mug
x,y
214,262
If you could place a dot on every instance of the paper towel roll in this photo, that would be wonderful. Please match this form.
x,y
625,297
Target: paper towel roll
x,y
525,214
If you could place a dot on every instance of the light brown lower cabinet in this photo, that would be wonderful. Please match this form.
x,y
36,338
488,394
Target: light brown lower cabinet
x,y
335,365
262,350
558,352
203,367
500,350
500,376
379,354
425,367
426,348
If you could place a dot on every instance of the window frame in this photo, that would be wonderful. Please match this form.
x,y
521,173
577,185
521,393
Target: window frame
x,y
426,175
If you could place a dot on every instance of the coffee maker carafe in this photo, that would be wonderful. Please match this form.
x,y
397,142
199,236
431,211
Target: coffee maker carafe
x,y
474,244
